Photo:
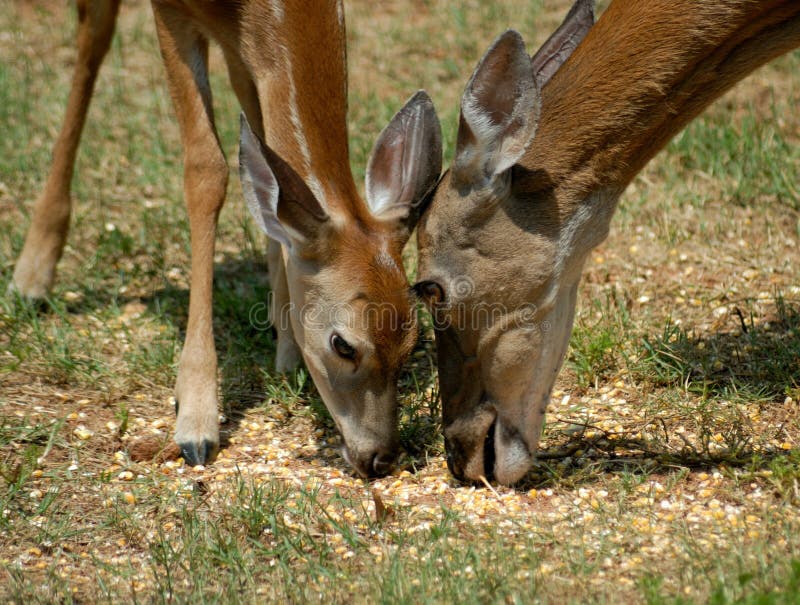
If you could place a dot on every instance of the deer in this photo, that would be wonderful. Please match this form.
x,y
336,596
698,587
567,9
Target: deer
x,y
545,147
329,249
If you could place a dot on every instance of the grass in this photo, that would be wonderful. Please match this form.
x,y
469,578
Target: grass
x,y
669,466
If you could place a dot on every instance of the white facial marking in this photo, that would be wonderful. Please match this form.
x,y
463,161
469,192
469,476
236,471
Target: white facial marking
x,y
277,10
384,259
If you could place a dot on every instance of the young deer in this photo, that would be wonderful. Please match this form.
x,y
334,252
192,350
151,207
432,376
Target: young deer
x,y
512,222
333,256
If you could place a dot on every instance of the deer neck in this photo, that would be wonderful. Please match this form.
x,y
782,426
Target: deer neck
x,y
305,91
642,73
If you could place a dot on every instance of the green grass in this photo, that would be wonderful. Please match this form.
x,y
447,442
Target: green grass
x,y
668,469
598,339
742,156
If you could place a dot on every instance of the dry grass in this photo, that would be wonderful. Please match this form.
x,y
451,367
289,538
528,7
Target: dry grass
x,y
669,466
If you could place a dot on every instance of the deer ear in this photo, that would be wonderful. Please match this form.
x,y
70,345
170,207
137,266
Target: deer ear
x,y
405,163
277,197
499,113
559,46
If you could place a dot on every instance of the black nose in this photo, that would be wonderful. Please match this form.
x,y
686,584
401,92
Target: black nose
x,y
451,464
455,462
382,464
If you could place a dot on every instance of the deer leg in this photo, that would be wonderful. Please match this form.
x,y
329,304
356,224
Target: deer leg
x,y
185,53
36,267
287,356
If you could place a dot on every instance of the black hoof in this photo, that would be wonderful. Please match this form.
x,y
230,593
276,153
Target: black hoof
x,y
195,454
36,306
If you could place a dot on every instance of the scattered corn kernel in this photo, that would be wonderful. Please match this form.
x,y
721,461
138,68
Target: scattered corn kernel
x,y
82,433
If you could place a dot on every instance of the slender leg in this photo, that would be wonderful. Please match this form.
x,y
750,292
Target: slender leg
x,y
36,267
185,52
288,354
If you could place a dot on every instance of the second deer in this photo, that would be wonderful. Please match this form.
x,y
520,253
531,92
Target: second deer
x,y
539,166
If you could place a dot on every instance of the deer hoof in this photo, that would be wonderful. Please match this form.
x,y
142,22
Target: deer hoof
x,y
197,453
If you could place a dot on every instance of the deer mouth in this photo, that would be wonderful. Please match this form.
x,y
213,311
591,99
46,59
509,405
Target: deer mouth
x,y
483,447
481,441
469,443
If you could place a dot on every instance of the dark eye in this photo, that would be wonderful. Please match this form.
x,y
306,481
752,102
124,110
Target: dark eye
x,y
343,348
429,292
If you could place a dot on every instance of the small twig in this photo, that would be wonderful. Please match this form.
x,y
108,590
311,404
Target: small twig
x,y
382,512
563,452
739,313
489,485
686,442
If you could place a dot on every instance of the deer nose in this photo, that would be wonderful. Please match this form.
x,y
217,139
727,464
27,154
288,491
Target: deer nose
x,y
372,464
382,464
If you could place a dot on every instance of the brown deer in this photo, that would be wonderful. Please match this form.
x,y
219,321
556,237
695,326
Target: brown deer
x,y
534,183
329,250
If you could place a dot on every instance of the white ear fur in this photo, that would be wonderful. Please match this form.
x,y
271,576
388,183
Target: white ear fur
x,y
259,185
499,112
406,160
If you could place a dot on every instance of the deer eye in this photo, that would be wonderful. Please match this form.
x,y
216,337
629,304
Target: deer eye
x,y
343,348
429,292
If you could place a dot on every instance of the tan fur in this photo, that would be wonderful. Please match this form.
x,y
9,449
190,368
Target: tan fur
x,y
287,65
641,74
645,70
35,270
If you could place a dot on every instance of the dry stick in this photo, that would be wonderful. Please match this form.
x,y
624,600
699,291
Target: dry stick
x,y
489,485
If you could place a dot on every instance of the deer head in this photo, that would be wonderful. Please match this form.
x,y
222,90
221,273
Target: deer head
x,y
351,309
511,224
497,266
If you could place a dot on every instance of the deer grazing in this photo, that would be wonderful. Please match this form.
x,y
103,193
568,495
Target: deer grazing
x,y
545,148
329,249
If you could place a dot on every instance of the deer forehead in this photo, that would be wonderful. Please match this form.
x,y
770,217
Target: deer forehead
x,y
367,270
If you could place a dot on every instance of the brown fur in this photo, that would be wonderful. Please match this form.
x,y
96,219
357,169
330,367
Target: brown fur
x,y
392,324
644,71
287,64
521,237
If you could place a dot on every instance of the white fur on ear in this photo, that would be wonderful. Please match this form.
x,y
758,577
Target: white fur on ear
x,y
259,185
499,112
406,160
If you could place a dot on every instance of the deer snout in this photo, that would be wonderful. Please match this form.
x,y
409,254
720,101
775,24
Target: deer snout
x,y
371,462
469,443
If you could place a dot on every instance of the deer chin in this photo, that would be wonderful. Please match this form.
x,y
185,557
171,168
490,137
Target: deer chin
x,y
482,445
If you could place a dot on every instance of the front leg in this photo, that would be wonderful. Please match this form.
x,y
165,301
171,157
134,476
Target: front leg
x,y
205,176
287,356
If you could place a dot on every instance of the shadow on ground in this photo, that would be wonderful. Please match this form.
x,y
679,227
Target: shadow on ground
x,y
755,361
245,344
